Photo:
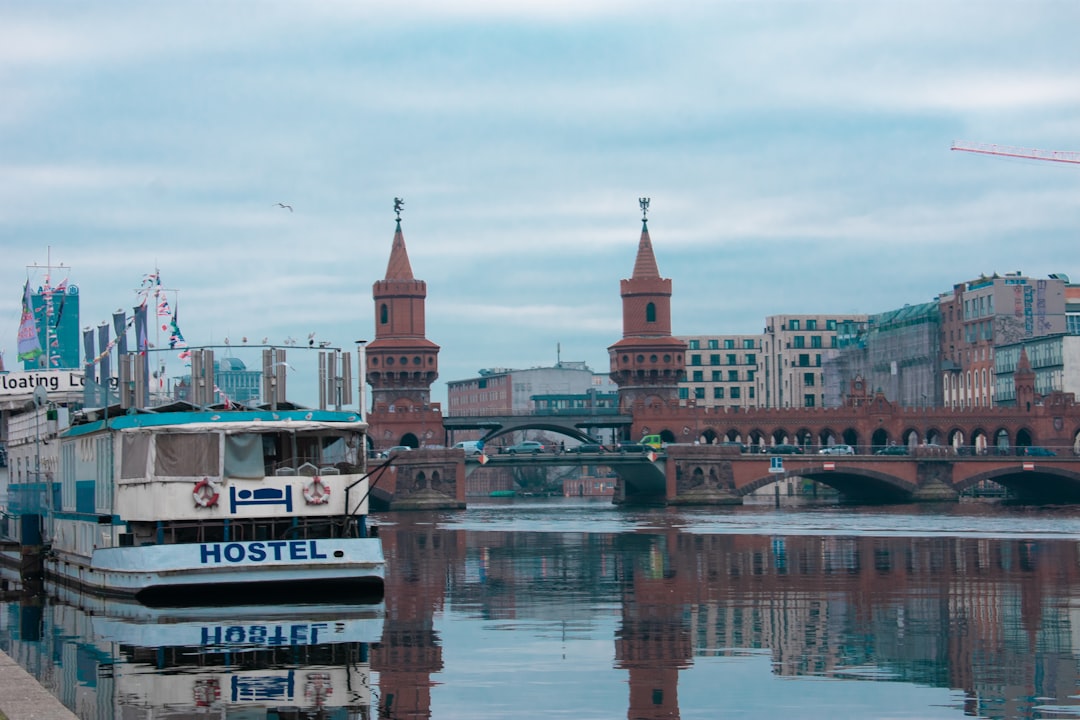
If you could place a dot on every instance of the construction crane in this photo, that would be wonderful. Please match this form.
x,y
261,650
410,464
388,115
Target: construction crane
x,y
1061,156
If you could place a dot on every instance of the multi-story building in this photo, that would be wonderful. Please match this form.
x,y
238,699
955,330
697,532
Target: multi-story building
x,y
232,381
502,390
793,348
897,352
721,370
981,314
1055,360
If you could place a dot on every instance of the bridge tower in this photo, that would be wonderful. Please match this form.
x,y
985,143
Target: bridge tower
x,y
401,362
647,363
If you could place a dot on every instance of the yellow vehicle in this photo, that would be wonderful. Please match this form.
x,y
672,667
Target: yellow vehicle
x,y
653,441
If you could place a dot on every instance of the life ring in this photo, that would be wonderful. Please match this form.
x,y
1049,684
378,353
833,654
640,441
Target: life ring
x,y
317,492
205,493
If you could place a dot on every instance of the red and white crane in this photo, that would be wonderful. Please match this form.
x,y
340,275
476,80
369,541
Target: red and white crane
x,y
1061,156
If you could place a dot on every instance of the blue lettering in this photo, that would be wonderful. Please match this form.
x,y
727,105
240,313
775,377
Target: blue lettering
x,y
256,552
315,554
211,636
257,634
299,634
234,635
278,638
277,545
234,552
297,550
210,552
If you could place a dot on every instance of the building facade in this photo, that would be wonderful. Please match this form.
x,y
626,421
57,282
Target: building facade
x,y
793,351
498,391
1054,359
721,370
980,315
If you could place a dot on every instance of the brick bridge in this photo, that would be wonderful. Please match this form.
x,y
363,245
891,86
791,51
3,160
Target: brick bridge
x,y
721,475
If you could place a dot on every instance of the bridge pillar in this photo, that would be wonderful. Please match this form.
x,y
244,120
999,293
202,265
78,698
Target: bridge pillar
x,y
425,480
701,475
935,481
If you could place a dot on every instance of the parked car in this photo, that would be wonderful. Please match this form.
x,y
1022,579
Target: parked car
x,y
893,450
633,447
588,447
527,447
839,449
785,450
1036,451
653,441
727,443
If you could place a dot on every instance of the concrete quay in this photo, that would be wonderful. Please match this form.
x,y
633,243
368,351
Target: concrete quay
x,y
23,698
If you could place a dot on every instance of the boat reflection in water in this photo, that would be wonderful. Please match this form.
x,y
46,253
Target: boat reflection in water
x,y
118,660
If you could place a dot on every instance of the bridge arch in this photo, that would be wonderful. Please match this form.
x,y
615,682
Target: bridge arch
x,y
934,436
855,484
955,438
1001,441
879,439
980,441
851,437
1023,437
910,437
1050,483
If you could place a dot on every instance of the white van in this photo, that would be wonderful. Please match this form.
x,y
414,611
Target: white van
x,y
471,447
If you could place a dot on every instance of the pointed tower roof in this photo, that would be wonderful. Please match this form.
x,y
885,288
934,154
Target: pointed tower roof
x,y
645,264
398,268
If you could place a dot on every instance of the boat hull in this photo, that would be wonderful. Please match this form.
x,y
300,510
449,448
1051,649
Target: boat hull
x,y
186,573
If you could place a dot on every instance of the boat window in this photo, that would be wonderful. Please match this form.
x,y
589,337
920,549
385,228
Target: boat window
x,y
244,456
134,447
187,455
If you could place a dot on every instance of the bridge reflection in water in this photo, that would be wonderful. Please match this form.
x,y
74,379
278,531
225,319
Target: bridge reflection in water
x,y
681,615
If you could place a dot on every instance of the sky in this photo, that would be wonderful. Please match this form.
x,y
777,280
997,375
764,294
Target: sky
x,y
797,156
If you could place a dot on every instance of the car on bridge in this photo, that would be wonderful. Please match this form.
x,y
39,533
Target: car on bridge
x,y
893,450
633,447
1036,451
785,450
591,448
526,447
839,449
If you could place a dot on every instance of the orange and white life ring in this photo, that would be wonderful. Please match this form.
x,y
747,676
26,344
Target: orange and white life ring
x,y
205,493
317,492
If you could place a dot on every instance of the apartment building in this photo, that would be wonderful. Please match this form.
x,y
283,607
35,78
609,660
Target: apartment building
x,y
721,370
793,349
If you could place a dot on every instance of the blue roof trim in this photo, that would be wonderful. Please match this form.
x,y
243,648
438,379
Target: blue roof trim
x,y
122,422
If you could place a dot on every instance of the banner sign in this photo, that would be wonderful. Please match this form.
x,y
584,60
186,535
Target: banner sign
x,y
19,384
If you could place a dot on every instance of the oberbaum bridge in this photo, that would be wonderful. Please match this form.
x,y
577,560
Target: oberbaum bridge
x,y
948,448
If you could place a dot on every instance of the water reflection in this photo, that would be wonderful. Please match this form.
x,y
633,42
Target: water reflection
x,y
124,661
509,612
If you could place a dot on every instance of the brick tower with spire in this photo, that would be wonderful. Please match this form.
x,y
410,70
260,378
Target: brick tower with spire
x,y
648,363
401,362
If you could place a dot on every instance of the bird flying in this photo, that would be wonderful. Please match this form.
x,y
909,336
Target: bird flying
x,y
284,205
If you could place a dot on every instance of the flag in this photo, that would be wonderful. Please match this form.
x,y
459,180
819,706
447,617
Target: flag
x,y
142,342
163,309
176,338
29,344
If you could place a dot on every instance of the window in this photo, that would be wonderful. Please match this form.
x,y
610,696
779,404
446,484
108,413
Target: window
x,y
751,394
384,314
695,360
729,344
735,393
714,344
748,344
650,313
804,360
808,379
793,324
751,359
815,341
699,393
799,341
699,376
684,393
808,401
731,359
750,375
832,341
811,324
830,325
695,345
714,359
718,393
717,375
817,360
733,375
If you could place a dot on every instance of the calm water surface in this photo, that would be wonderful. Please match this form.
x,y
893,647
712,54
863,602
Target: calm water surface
x,y
577,609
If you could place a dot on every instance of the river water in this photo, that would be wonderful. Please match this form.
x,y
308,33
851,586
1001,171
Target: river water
x,y
523,608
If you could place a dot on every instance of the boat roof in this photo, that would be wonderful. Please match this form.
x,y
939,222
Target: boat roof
x,y
181,420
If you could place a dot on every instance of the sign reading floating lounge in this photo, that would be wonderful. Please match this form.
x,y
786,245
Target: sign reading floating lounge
x,y
18,384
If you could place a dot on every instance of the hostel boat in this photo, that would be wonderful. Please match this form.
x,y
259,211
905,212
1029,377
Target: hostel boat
x,y
182,504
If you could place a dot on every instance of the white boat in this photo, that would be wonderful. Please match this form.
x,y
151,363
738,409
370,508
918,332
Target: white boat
x,y
187,505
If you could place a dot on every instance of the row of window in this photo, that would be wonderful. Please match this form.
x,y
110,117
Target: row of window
x,y
732,359
734,393
811,324
729,344
718,376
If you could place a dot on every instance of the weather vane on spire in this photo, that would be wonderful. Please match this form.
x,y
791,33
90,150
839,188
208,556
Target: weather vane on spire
x,y
644,203
399,205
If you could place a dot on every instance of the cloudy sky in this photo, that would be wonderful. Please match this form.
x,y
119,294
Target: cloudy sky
x,y
797,156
